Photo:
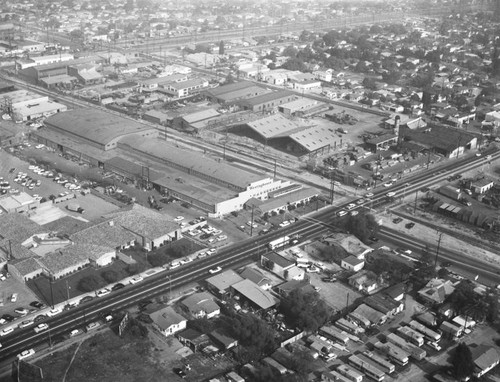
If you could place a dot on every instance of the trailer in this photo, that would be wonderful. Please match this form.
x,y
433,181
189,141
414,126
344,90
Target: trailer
x,y
350,373
430,334
348,326
451,329
411,335
365,365
278,243
384,365
394,353
75,208
334,334
414,351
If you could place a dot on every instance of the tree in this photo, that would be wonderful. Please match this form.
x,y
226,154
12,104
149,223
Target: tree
x,y
461,361
89,283
392,76
133,269
290,51
362,226
157,259
305,310
110,276
370,83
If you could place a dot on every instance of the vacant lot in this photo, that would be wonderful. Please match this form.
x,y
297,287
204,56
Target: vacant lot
x,y
97,359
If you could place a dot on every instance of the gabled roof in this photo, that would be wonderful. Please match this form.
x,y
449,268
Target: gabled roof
x,y
198,302
256,295
224,280
255,276
279,260
166,317
485,357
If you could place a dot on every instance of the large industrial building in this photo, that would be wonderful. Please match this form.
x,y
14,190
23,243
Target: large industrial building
x,y
132,150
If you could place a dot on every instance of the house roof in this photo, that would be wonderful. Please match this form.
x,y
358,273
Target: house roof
x,y
369,313
222,338
27,266
200,115
350,243
395,290
105,233
353,261
255,276
437,290
144,222
445,138
166,317
203,301
279,260
72,255
256,295
363,277
18,227
289,286
485,356
224,280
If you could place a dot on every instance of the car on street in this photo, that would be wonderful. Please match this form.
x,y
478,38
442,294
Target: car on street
x,y
136,279
391,194
86,299
37,304
353,213
26,354
21,311
103,292
41,327
397,220
6,331
351,206
26,323
117,286
54,312
373,238
341,213
215,270
74,332
410,225
388,184
369,195
211,251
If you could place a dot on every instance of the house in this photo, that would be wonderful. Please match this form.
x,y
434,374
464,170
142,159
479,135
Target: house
x,y
223,340
481,186
350,244
257,277
276,263
485,358
287,287
436,291
365,312
352,263
201,305
396,292
220,284
255,296
385,304
167,321
365,281
193,339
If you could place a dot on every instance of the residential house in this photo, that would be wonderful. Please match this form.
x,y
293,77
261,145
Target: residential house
x,y
167,321
485,358
193,339
201,305
352,263
366,312
350,244
364,281
276,263
257,277
323,75
436,291
482,185
223,340
287,287
220,284
254,295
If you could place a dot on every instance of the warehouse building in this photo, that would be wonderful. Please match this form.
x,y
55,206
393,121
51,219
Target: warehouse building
x,y
98,128
267,102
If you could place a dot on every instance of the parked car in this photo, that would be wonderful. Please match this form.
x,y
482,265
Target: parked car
x,y
103,292
21,311
41,327
215,270
410,225
26,354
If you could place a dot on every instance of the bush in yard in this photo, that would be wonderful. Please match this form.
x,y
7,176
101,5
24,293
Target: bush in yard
x,y
89,283
110,276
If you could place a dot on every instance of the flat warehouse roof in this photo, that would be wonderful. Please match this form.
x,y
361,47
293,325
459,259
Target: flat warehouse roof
x,y
230,88
95,125
274,126
195,161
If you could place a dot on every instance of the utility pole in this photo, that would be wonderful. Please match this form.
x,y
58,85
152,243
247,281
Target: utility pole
x,y
51,293
67,289
415,205
275,164
332,188
437,249
251,221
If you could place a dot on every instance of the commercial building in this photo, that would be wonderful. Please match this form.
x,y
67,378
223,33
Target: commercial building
x,y
229,94
21,202
98,128
44,60
267,102
352,263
